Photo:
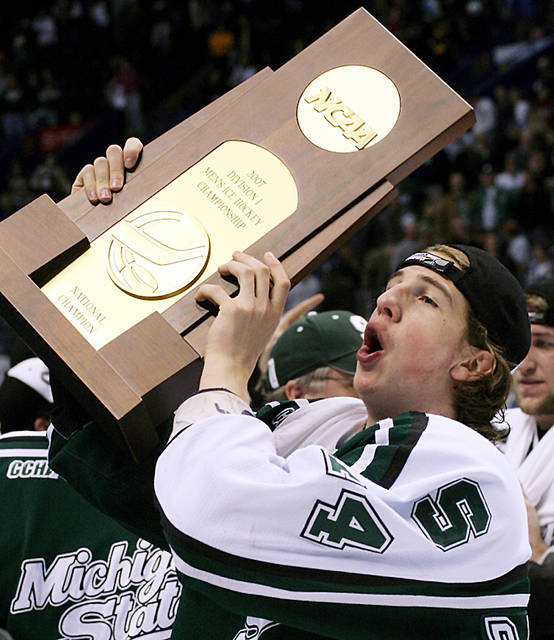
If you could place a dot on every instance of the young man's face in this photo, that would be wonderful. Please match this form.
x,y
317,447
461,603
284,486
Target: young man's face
x,y
414,337
534,378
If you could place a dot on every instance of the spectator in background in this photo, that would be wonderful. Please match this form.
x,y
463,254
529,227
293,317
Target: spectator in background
x,y
453,206
510,179
532,204
12,108
540,266
489,204
241,70
409,243
123,91
341,280
518,247
46,35
494,244
18,193
530,449
49,177
48,100
315,357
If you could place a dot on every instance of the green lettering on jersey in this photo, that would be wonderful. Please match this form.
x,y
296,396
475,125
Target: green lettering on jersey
x,y
459,510
351,522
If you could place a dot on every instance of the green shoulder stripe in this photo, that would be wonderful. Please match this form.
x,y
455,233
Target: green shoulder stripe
x,y
395,441
20,440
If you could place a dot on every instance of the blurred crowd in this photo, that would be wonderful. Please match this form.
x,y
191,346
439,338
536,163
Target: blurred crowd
x,y
76,75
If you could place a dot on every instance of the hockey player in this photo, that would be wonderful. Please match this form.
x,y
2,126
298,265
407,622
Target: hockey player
x,y
66,570
530,448
414,527
416,522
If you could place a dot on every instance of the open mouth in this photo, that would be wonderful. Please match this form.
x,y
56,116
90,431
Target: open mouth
x,y
372,340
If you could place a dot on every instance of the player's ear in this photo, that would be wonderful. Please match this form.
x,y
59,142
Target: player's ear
x,y
41,424
476,363
293,390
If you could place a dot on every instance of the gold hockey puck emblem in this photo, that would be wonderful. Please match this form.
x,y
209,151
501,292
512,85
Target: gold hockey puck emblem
x,y
157,254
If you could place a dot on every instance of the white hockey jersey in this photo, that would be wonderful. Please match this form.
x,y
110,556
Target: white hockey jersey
x,y
531,457
412,526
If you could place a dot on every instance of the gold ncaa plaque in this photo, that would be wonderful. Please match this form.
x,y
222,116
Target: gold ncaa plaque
x,y
348,108
154,255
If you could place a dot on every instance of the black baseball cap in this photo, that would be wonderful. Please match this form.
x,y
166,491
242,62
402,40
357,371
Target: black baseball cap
x,y
330,338
545,290
494,295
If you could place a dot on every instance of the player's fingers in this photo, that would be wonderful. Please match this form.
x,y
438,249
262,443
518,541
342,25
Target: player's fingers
x,y
245,276
211,293
280,279
79,183
86,179
102,173
131,152
114,155
262,279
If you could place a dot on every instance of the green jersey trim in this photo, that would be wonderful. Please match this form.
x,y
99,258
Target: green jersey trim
x,y
494,601
214,562
346,621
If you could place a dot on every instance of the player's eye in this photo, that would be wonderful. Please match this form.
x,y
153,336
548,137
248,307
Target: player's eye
x,y
428,300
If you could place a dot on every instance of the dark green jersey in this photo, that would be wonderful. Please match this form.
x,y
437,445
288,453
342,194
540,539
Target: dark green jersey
x,y
67,570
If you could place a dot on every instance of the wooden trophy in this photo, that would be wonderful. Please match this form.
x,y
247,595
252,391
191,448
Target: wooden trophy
x,y
293,161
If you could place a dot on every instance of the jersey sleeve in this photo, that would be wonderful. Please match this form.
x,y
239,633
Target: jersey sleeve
x,y
107,477
308,540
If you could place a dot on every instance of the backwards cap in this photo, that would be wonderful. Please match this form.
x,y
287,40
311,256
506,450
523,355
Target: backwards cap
x,y
545,290
330,338
494,295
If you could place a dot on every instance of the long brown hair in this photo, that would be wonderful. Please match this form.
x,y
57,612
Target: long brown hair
x,y
478,402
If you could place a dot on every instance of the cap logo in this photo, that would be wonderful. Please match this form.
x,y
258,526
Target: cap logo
x,y
430,260
536,317
359,324
272,374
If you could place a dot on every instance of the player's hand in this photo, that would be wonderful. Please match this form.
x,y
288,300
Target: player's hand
x,y
244,323
107,174
292,315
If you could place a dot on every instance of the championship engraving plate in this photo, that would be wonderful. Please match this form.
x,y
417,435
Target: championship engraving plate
x,y
292,161
153,256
